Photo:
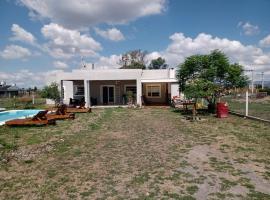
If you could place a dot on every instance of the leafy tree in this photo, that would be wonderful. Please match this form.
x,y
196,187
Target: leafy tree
x,y
208,76
51,92
133,60
158,63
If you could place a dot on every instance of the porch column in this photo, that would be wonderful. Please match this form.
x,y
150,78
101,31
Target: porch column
x,y
61,92
86,93
139,92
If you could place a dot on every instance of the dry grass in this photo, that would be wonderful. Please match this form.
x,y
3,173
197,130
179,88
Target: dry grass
x,y
152,153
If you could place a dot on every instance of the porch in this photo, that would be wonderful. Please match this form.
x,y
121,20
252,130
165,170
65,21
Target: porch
x,y
101,92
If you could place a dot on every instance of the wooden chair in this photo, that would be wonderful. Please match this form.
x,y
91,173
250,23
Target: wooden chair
x,y
79,110
61,113
40,119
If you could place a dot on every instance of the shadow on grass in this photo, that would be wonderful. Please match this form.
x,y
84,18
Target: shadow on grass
x,y
184,112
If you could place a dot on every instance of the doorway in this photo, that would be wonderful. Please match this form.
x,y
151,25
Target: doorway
x,y
107,94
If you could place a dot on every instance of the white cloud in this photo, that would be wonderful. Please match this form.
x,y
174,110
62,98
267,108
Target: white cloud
x,y
27,78
66,43
182,47
60,65
85,13
249,29
265,42
153,55
111,62
15,52
110,34
19,34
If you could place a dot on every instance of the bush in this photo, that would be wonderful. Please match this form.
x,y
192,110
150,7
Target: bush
x,y
265,90
51,92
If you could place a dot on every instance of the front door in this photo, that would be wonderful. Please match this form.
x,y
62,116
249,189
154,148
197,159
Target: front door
x,y
108,95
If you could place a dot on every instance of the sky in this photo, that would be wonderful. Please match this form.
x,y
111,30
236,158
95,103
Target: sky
x,y
40,38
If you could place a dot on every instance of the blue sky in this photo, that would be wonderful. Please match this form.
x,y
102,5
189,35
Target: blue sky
x,y
40,37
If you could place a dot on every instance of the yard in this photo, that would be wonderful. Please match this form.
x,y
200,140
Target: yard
x,y
150,153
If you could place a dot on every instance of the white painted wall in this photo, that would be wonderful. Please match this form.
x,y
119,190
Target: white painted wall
x,y
139,92
174,90
68,91
114,74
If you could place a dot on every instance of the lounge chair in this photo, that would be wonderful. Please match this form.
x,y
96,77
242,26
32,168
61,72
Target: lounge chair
x,y
40,119
61,113
80,109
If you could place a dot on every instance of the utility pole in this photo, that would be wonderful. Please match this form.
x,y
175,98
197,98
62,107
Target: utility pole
x,y
262,79
262,74
252,78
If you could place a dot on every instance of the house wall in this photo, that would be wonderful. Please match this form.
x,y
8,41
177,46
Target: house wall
x,y
95,89
162,99
68,91
174,90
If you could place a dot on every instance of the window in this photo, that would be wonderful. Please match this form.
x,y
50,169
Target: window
x,y
79,90
153,90
132,89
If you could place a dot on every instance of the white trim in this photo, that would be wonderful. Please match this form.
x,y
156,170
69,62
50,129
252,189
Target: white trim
x,y
147,85
101,92
159,81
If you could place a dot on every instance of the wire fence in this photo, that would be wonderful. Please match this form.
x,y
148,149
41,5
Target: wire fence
x,y
252,105
21,103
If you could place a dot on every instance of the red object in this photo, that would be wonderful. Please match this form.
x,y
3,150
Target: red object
x,y
222,110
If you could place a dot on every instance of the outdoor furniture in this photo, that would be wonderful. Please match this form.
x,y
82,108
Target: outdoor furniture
x,y
61,113
40,119
78,110
73,103
78,106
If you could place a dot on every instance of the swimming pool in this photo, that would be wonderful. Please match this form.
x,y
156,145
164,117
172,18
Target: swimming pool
x,y
16,114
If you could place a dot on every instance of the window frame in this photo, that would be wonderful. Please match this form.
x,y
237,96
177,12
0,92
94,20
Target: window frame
x,y
130,86
76,90
153,85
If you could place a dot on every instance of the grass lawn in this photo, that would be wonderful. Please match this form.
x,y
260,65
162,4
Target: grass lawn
x,y
150,153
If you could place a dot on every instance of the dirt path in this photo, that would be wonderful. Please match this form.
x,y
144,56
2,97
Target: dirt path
x,y
144,154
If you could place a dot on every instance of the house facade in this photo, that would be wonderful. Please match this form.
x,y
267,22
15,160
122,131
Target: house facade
x,y
8,90
111,87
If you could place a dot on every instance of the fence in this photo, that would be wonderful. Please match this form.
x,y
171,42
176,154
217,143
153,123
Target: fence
x,y
255,105
21,102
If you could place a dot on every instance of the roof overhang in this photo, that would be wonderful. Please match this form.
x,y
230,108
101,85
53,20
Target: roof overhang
x,y
159,81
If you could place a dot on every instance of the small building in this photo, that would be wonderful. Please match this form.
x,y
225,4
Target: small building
x,y
8,90
110,86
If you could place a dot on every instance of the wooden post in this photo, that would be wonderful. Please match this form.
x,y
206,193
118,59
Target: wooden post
x,y
247,103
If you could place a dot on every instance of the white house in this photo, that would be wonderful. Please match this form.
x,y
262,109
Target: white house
x,y
108,86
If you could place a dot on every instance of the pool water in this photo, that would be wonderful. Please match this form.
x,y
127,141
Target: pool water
x,y
16,114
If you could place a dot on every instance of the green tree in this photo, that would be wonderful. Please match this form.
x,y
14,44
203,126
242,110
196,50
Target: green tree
x,y
208,76
51,92
133,60
158,63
